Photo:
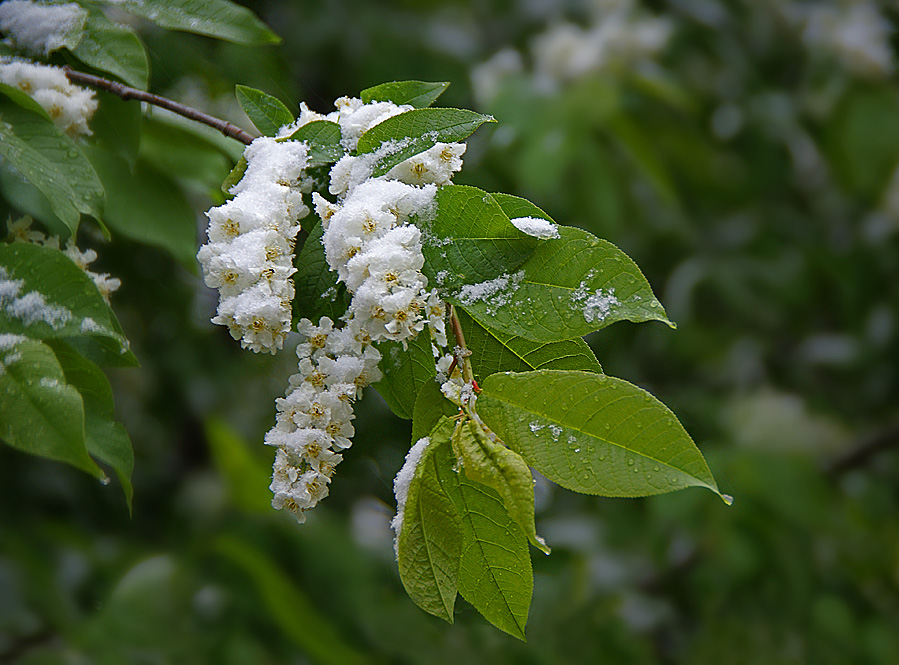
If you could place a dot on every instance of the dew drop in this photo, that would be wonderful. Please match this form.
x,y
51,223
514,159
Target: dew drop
x,y
577,450
728,499
655,468
630,462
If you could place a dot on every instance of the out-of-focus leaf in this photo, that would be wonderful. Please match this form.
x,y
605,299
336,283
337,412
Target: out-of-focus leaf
x,y
112,48
289,607
247,479
214,18
146,206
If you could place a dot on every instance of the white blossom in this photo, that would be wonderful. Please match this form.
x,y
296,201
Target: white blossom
x,y
70,107
249,256
40,28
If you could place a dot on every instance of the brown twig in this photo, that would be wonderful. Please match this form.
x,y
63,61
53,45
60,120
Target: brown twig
x,y
463,353
866,448
127,92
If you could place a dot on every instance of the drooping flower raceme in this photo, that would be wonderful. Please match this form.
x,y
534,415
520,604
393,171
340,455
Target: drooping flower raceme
x,y
249,257
373,246
69,106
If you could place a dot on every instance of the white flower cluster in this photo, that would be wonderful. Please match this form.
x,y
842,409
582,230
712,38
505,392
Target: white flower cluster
x,y
69,106
858,35
40,28
20,231
249,257
375,250
618,38
314,418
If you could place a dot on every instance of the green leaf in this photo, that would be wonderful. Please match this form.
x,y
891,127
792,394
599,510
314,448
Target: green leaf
x,y
112,48
503,470
47,296
568,287
213,18
317,292
268,113
322,137
246,477
40,413
495,573
295,614
515,206
471,239
117,125
105,439
593,433
234,176
430,538
493,351
430,407
182,155
406,371
49,159
419,94
415,131
146,206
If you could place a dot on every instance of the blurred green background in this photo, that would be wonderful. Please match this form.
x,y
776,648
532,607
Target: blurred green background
x,y
744,153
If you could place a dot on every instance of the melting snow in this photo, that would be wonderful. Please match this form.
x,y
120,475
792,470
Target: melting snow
x,y
534,226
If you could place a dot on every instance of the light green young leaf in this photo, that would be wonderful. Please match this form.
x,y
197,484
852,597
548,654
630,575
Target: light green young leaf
x,y
146,206
430,407
317,292
406,371
495,573
46,296
105,439
419,94
112,48
234,176
471,239
268,113
493,351
416,131
40,413
214,18
322,137
430,538
505,471
568,287
593,433
51,161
